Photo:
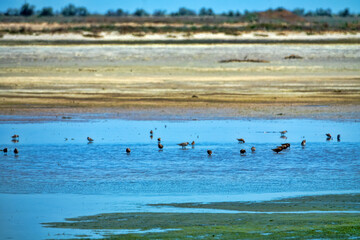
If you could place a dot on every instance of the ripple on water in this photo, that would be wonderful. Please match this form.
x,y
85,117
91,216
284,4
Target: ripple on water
x,y
48,163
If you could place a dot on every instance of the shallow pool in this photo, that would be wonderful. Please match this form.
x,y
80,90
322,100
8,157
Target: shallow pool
x,y
58,174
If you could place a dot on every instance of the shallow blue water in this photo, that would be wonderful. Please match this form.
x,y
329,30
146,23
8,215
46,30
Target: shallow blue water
x,y
48,163
53,178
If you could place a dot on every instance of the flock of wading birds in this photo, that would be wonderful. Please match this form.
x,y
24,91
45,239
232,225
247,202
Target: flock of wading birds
x,y
15,138
241,140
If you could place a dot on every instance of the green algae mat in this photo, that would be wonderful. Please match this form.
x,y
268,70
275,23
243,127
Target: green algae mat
x,y
314,217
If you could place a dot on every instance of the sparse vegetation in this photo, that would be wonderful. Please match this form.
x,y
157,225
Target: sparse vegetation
x,y
186,21
27,10
46,11
71,10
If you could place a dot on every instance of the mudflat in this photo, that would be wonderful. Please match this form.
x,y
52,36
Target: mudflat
x,y
163,82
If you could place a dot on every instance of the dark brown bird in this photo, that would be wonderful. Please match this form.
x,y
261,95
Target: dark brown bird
x,y
193,143
5,150
209,152
285,145
278,149
151,132
338,137
242,151
160,146
16,151
283,132
15,136
328,135
184,144
90,139
241,140
303,143
253,149
128,150
159,139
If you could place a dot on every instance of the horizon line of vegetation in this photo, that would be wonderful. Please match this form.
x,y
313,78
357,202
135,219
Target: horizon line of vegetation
x,y
70,10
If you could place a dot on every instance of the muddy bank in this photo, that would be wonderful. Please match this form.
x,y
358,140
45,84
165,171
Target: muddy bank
x,y
182,81
175,98
38,113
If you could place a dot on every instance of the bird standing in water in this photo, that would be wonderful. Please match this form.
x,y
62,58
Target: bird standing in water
x,y
328,136
209,152
242,151
241,140
253,149
283,132
184,144
278,149
338,137
193,143
285,145
128,150
303,143
160,146
90,139
16,151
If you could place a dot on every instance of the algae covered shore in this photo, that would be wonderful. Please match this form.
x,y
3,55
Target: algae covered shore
x,y
328,216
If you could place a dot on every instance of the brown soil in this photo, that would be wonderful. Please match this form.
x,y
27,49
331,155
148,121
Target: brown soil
x,y
156,97
283,15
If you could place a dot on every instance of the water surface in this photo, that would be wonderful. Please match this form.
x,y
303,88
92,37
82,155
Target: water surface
x,y
58,174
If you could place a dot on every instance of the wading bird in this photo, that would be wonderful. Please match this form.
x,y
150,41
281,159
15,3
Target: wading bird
x,y
285,145
16,151
90,139
278,149
209,152
283,132
242,151
253,149
303,143
160,146
184,144
128,150
241,140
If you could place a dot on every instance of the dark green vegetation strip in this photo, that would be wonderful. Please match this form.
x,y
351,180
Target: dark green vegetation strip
x,y
223,226
345,202
234,226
